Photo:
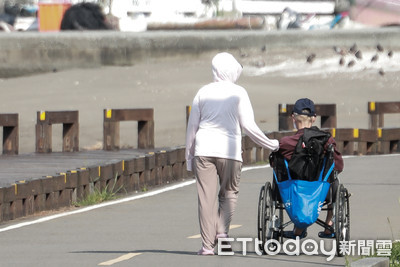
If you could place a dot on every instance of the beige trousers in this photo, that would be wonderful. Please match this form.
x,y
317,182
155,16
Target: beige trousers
x,y
218,188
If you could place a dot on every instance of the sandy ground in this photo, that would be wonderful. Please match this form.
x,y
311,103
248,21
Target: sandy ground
x,y
168,85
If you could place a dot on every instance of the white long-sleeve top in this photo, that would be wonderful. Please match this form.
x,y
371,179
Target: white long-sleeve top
x,y
219,111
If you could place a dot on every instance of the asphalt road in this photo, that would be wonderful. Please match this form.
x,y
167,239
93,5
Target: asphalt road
x,y
160,227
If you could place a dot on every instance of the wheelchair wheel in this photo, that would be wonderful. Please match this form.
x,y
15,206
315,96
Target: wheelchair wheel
x,y
342,218
265,215
260,220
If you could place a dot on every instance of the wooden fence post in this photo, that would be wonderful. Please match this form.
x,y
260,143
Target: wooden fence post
x,y
10,133
70,122
377,110
111,127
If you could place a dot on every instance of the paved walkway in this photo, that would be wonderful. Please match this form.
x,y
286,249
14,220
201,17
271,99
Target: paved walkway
x,y
38,165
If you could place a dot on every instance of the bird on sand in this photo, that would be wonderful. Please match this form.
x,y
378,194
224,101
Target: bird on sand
x,y
351,63
353,49
263,48
339,51
342,61
311,58
358,54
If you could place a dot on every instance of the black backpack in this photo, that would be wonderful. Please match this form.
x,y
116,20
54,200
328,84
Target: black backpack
x,y
307,160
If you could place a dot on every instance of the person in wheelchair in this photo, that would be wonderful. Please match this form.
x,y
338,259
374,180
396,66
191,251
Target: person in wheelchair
x,y
303,117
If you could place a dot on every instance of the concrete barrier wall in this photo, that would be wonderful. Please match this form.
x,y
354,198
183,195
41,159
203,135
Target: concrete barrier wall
x,y
24,53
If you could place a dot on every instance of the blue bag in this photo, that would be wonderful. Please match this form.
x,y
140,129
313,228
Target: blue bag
x,y
302,199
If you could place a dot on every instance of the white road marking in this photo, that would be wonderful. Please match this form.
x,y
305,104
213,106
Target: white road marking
x,y
119,259
101,205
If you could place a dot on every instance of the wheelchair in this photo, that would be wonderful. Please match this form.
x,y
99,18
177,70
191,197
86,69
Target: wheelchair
x,y
271,216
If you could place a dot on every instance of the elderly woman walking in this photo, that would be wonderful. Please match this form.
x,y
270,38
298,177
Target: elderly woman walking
x,y
220,111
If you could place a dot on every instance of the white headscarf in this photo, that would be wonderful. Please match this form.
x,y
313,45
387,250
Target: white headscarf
x,y
226,68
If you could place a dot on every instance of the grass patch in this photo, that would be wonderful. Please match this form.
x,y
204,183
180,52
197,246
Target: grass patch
x,y
394,260
99,196
144,188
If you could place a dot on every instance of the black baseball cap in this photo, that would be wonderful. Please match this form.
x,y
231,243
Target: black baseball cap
x,y
304,103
